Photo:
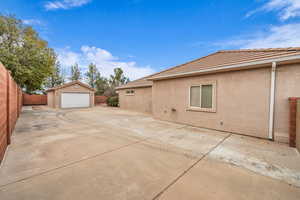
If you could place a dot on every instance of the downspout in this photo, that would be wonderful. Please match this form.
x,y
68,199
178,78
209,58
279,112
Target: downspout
x,y
272,101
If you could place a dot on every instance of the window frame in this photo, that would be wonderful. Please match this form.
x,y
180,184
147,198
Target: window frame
x,y
214,97
131,93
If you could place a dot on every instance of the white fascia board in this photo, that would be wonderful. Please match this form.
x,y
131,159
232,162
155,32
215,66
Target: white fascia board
x,y
132,86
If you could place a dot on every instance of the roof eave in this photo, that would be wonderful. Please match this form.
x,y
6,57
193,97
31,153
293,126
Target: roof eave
x,y
133,86
248,65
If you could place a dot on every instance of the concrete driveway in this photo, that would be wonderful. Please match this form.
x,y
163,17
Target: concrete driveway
x,y
111,154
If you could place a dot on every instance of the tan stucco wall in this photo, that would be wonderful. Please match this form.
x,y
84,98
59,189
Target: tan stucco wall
x,y
287,85
50,99
242,103
298,126
141,101
72,88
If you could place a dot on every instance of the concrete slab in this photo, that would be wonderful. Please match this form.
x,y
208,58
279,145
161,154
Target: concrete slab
x,y
140,125
136,172
214,180
196,141
261,156
26,108
36,151
51,152
108,153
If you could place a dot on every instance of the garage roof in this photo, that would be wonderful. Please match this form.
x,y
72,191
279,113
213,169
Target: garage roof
x,y
69,84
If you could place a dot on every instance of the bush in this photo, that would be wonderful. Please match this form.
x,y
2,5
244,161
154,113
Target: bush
x,y
113,101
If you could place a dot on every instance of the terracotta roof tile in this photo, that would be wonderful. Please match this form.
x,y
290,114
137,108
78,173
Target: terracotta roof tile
x,y
142,82
229,57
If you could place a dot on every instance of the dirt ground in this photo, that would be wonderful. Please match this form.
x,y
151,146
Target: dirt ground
x,y
112,154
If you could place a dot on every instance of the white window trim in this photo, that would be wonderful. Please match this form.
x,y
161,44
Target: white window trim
x,y
214,97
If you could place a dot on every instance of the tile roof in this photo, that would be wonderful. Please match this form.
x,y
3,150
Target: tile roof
x,y
229,57
219,59
142,82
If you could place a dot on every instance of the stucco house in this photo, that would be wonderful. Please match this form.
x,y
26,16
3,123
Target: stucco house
x,y
71,95
136,95
239,91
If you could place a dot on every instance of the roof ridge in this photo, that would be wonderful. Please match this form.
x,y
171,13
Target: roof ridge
x,y
260,50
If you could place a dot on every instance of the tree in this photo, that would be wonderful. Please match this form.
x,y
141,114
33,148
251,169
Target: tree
x,y
115,80
118,78
56,78
92,74
95,80
75,73
101,84
25,54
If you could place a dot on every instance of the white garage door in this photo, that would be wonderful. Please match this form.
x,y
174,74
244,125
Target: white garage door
x,y
75,100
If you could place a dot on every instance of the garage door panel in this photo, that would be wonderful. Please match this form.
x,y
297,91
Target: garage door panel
x,y
75,100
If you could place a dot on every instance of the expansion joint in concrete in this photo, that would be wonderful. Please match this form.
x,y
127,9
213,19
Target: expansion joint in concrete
x,y
75,162
190,167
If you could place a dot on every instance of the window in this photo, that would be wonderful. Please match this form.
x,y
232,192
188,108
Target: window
x,y
206,96
195,96
129,92
202,97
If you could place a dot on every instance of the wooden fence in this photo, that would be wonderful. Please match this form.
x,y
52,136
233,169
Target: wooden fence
x,y
34,99
10,107
100,99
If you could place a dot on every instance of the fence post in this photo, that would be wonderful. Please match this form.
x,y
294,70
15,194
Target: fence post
x,y
8,108
292,121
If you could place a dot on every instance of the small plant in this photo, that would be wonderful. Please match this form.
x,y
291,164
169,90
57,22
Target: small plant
x,y
113,101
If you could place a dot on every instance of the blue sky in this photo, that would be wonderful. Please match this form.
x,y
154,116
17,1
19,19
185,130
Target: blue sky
x,y
145,36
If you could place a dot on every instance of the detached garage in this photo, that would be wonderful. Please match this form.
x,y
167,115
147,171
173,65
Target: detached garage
x,y
71,95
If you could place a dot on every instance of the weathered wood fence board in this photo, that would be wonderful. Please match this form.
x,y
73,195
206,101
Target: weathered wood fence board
x,y
34,99
100,99
10,108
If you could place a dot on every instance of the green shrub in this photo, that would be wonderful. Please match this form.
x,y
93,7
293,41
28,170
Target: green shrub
x,y
113,101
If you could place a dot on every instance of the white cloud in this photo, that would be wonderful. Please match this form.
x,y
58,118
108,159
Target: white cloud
x,y
287,8
104,60
67,58
65,4
94,53
32,22
286,35
276,36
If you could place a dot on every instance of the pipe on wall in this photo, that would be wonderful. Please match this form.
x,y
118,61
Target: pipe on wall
x,y
272,101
